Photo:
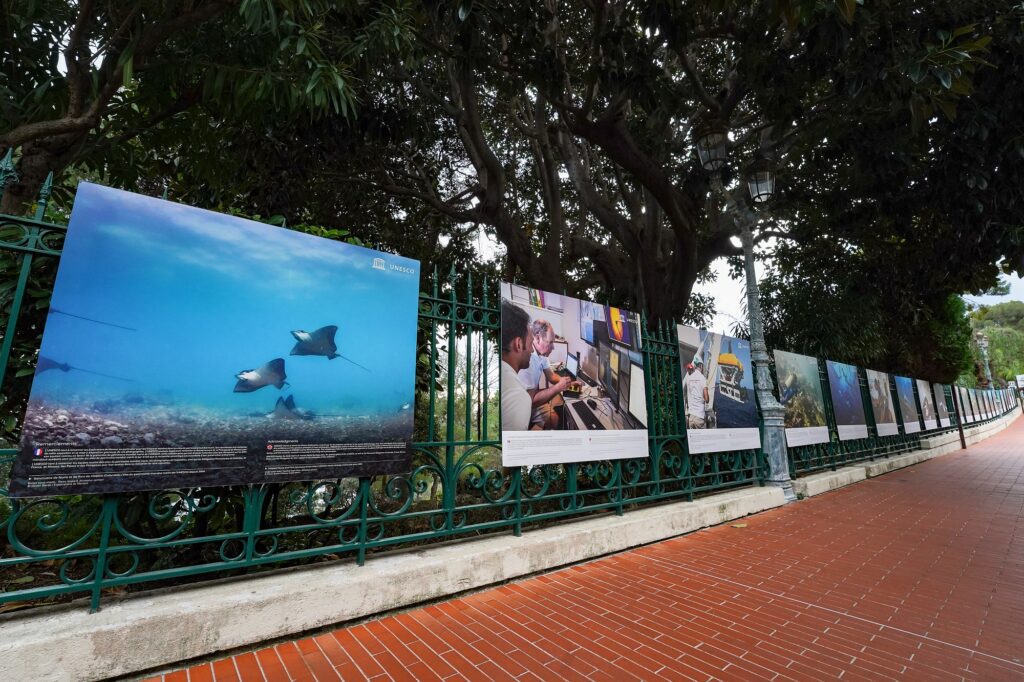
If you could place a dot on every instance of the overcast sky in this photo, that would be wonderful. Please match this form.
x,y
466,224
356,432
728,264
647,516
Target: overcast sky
x,y
728,294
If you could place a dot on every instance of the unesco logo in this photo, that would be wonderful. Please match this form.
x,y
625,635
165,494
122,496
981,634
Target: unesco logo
x,y
381,264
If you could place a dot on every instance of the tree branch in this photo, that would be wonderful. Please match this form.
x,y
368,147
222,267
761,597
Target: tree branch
x,y
686,59
110,77
547,169
610,219
78,81
612,136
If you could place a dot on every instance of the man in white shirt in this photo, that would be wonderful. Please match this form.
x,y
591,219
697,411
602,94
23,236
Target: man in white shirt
x,y
543,337
516,349
696,389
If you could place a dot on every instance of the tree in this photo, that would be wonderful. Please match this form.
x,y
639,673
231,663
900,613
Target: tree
x,y
1003,325
81,79
914,206
567,131
1008,314
588,109
1005,352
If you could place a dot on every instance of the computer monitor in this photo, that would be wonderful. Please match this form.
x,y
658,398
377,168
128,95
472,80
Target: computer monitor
x,y
559,351
638,394
618,326
572,365
624,374
587,329
605,369
588,363
613,372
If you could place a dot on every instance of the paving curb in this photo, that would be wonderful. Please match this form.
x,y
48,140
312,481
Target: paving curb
x,y
165,627
932,446
171,625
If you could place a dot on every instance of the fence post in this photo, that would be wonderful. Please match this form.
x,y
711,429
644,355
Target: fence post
x,y
7,171
32,234
100,568
448,494
485,398
252,513
364,508
959,415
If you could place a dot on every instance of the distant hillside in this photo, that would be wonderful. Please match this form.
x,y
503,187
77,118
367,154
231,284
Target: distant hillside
x,y
1003,325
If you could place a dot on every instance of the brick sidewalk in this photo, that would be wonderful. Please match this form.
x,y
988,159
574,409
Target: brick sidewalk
x,y
916,574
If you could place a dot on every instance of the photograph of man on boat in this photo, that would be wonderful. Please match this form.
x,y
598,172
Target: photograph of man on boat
x,y
718,390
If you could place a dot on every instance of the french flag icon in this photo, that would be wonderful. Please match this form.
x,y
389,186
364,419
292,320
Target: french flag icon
x,y
38,452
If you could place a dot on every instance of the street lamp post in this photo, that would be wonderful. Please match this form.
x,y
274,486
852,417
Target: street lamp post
x,y
772,412
983,345
760,177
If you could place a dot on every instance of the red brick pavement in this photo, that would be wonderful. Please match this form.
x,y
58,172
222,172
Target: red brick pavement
x,y
917,574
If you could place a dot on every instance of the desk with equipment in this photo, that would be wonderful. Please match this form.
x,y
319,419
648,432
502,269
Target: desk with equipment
x,y
615,400
600,413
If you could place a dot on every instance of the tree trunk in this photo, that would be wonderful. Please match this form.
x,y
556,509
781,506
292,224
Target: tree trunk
x,y
38,159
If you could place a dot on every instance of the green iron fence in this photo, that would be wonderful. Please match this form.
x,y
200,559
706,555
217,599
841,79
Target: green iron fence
x,y
100,545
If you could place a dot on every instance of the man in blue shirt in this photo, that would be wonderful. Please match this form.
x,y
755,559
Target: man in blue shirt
x,y
543,415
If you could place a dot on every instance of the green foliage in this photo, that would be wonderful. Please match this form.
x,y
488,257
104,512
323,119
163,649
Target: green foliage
x,y
1003,326
29,333
1002,288
79,80
1006,352
852,314
944,346
564,132
1008,314
896,209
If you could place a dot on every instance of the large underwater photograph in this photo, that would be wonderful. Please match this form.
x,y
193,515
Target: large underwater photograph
x,y
208,349
847,404
800,393
908,407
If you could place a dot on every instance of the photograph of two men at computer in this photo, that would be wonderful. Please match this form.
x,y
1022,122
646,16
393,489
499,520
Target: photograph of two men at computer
x,y
569,365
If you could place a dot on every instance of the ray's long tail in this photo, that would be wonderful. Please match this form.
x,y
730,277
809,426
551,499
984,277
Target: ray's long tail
x,y
365,369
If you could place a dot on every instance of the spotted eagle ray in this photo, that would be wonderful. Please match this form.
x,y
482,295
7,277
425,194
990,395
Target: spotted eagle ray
x,y
45,364
320,342
285,409
270,374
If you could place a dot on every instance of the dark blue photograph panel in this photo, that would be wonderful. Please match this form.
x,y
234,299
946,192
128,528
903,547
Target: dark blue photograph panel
x,y
844,385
